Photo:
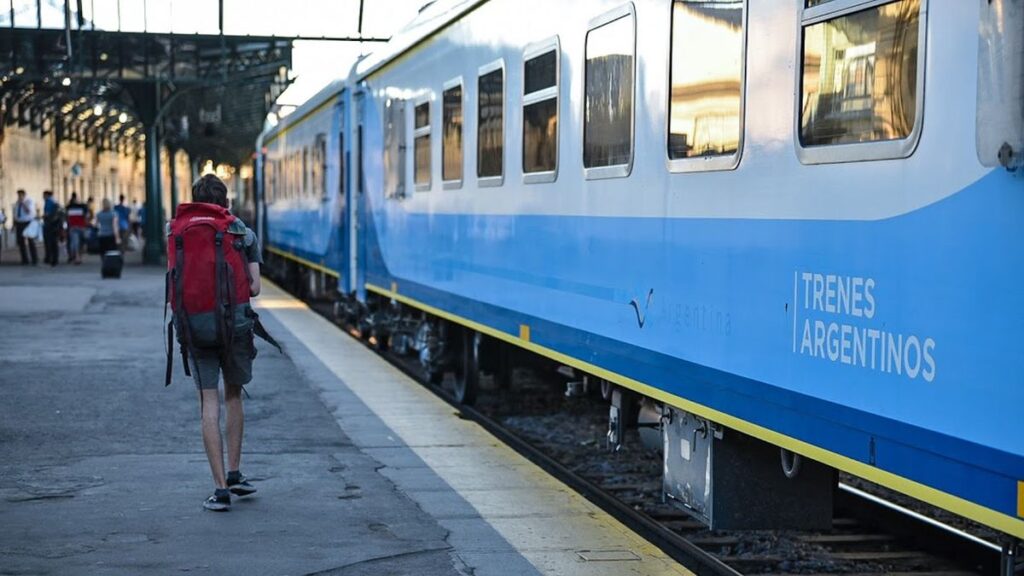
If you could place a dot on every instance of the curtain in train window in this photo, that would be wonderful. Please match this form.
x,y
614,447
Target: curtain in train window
x,y
706,78
608,112
421,146
860,76
394,148
490,155
540,113
451,134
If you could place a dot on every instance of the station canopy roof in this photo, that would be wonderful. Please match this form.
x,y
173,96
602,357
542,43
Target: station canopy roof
x,y
104,87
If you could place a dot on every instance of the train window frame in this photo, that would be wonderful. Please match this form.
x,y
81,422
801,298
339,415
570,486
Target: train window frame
x,y
718,163
420,132
499,180
627,10
532,51
454,183
857,151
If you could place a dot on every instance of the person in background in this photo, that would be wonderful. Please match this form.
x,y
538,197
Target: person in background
x,y
90,214
24,210
124,213
141,213
136,219
53,217
107,227
78,228
3,229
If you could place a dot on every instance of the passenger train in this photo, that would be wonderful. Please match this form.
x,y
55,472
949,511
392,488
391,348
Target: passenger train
x,y
794,221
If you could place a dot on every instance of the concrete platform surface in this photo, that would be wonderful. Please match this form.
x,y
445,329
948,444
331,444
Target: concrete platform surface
x,y
359,469
102,469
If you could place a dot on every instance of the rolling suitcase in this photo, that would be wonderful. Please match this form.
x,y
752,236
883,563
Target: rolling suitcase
x,y
112,264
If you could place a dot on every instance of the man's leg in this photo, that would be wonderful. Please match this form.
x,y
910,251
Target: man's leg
x,y
50,246
19,234
235,424
212,441
75,245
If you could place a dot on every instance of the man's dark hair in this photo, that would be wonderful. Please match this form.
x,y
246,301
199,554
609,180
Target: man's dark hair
x,y
74,196
121,199
21,192
47,193
211,190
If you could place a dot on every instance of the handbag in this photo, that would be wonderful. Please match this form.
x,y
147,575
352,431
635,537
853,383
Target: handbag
x,y
33,231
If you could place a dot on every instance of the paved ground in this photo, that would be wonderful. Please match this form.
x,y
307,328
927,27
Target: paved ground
x,y
102,469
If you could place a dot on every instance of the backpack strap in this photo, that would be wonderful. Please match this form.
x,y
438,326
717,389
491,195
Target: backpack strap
x,y
181,314
168,330
261,331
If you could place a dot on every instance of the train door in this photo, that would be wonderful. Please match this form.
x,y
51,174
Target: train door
x,y
357,249
343,200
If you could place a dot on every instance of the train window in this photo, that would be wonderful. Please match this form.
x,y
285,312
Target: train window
x,y
540,112
1000,116
321,166
394,148
451,134
608,106
421,146
490,140
705,120
861,71
304,181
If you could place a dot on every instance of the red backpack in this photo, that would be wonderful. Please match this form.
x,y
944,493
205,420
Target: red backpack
x,y
208,282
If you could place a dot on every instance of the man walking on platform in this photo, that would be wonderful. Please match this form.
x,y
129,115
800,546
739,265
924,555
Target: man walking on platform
x,y
78,227
24,213
52,219
214,321
124,213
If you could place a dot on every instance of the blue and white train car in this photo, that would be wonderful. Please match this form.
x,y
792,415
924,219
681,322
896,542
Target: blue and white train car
x,y
301,163
794,220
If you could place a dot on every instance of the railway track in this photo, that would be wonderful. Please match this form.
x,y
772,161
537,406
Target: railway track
x,y
869,535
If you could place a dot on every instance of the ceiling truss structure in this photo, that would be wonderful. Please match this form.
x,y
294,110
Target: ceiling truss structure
x,y
226,83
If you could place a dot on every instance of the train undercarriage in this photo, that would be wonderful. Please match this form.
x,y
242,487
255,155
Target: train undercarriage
x,y
720,476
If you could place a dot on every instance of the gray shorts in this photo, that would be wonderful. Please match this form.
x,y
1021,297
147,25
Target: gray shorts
x,y
208,365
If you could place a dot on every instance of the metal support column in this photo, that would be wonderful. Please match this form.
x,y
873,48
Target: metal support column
x,y
154,249
172,164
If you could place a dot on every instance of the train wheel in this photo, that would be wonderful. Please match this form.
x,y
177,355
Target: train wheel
x,y
467,374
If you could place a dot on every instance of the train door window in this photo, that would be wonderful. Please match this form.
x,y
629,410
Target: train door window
x,y
1000,116
394,148
490,136
608,105
862,71
342,164
540,111
421,146
451,134
706,71
305,180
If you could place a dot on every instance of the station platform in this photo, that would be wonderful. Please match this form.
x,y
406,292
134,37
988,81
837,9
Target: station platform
x,y
360,470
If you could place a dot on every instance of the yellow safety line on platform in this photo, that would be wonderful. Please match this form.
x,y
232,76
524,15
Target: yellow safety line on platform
x,y
519,483
303,261
955,504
